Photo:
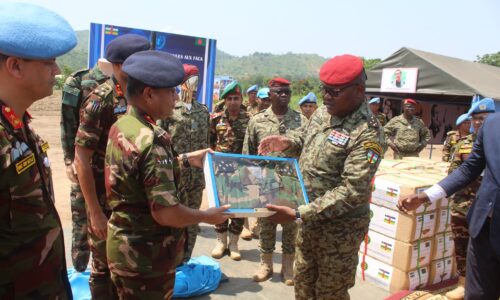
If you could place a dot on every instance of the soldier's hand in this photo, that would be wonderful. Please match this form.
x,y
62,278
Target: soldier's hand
x,y
273,143
99,224
215,215
413,202
196,157
283,214
393,147
71,173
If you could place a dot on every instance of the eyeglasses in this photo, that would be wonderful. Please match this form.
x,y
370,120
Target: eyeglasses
x,y
281,91
335,92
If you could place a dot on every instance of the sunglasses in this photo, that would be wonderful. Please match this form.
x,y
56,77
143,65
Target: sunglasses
x,y
335,92
281,91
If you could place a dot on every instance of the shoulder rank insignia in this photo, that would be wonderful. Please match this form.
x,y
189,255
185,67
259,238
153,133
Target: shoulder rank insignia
x,y
338,138
373,121
9,114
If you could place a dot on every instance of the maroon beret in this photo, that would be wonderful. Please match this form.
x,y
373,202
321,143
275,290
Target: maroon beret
x,y
341,70
410,101
190,70
278,81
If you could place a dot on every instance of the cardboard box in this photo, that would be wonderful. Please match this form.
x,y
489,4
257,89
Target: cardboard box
x,y
443,245
443,269
443,222
404,256
390,278
444,202
400,226
388,189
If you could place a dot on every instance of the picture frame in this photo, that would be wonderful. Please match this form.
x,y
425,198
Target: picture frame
x,y
249,182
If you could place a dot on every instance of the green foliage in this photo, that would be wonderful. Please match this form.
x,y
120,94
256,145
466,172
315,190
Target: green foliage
x,y
60,79
490,59
371,62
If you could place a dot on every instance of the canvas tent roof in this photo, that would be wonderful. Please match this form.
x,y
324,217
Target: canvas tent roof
x,y
441,78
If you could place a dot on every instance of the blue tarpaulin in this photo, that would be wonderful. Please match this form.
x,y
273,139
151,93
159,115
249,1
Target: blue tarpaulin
x,y
199,276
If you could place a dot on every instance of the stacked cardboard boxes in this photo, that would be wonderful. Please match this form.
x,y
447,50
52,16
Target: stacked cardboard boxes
x,y
407,251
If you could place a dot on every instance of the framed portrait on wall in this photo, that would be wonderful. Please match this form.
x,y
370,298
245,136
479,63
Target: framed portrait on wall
x,y
249,182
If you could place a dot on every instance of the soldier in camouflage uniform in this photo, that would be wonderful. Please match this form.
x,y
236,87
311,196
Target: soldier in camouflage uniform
x,y
227,132
189,129
407,134
454,136
279,119
32,258
374,105
145,231
341,150
461,201
99,111
251,103
76,88
308,104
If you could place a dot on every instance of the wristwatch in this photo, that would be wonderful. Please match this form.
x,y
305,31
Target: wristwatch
x,y
298,219
185,161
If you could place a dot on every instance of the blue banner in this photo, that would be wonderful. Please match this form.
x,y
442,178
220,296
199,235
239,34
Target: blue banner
x,y
192,50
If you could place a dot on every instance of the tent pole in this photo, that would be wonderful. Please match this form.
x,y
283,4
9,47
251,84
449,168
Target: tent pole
x,y
430,152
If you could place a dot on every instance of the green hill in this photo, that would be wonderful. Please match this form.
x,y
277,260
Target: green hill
x,y
290,65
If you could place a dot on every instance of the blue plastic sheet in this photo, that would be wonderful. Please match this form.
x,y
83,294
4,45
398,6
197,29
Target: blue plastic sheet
x,y
199,276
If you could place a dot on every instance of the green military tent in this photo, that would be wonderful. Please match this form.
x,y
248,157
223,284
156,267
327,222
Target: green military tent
x,y
441,79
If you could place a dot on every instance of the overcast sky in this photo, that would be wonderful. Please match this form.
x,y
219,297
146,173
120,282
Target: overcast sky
x,y
368,28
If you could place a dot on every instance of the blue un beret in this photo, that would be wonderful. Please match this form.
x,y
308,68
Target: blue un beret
x,y
462,119
156,69
33,32
119,49
374,100
485,105
309,98
263,93
253,88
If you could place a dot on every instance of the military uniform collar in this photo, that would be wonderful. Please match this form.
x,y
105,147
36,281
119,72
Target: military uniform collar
x,y
11,117
360,113
140,115
241,114
99,75
268,112
117,89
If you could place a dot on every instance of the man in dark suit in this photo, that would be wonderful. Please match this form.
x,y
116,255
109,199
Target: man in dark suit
x,y
483,257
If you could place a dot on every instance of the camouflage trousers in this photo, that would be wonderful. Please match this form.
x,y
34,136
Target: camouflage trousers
x,y
236,226
80,252
154,285
400,155
101,286
191,199
327,256
267,236
460,231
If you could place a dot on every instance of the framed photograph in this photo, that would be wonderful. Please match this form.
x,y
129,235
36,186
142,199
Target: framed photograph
x,y
399,80
249,182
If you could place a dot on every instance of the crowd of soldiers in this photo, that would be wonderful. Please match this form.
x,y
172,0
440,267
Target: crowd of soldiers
x,y
134,143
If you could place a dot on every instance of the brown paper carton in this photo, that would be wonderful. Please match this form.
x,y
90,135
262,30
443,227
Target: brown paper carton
x,y
401,226
443,245
390,278
443,220
443,269
404,256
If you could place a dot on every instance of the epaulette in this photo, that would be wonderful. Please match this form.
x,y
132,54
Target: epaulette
x,y
103,90
216,115
451,132
373,121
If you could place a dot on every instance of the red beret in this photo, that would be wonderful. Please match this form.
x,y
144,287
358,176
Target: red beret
x,y
278,81
190,70
410,101
341,70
